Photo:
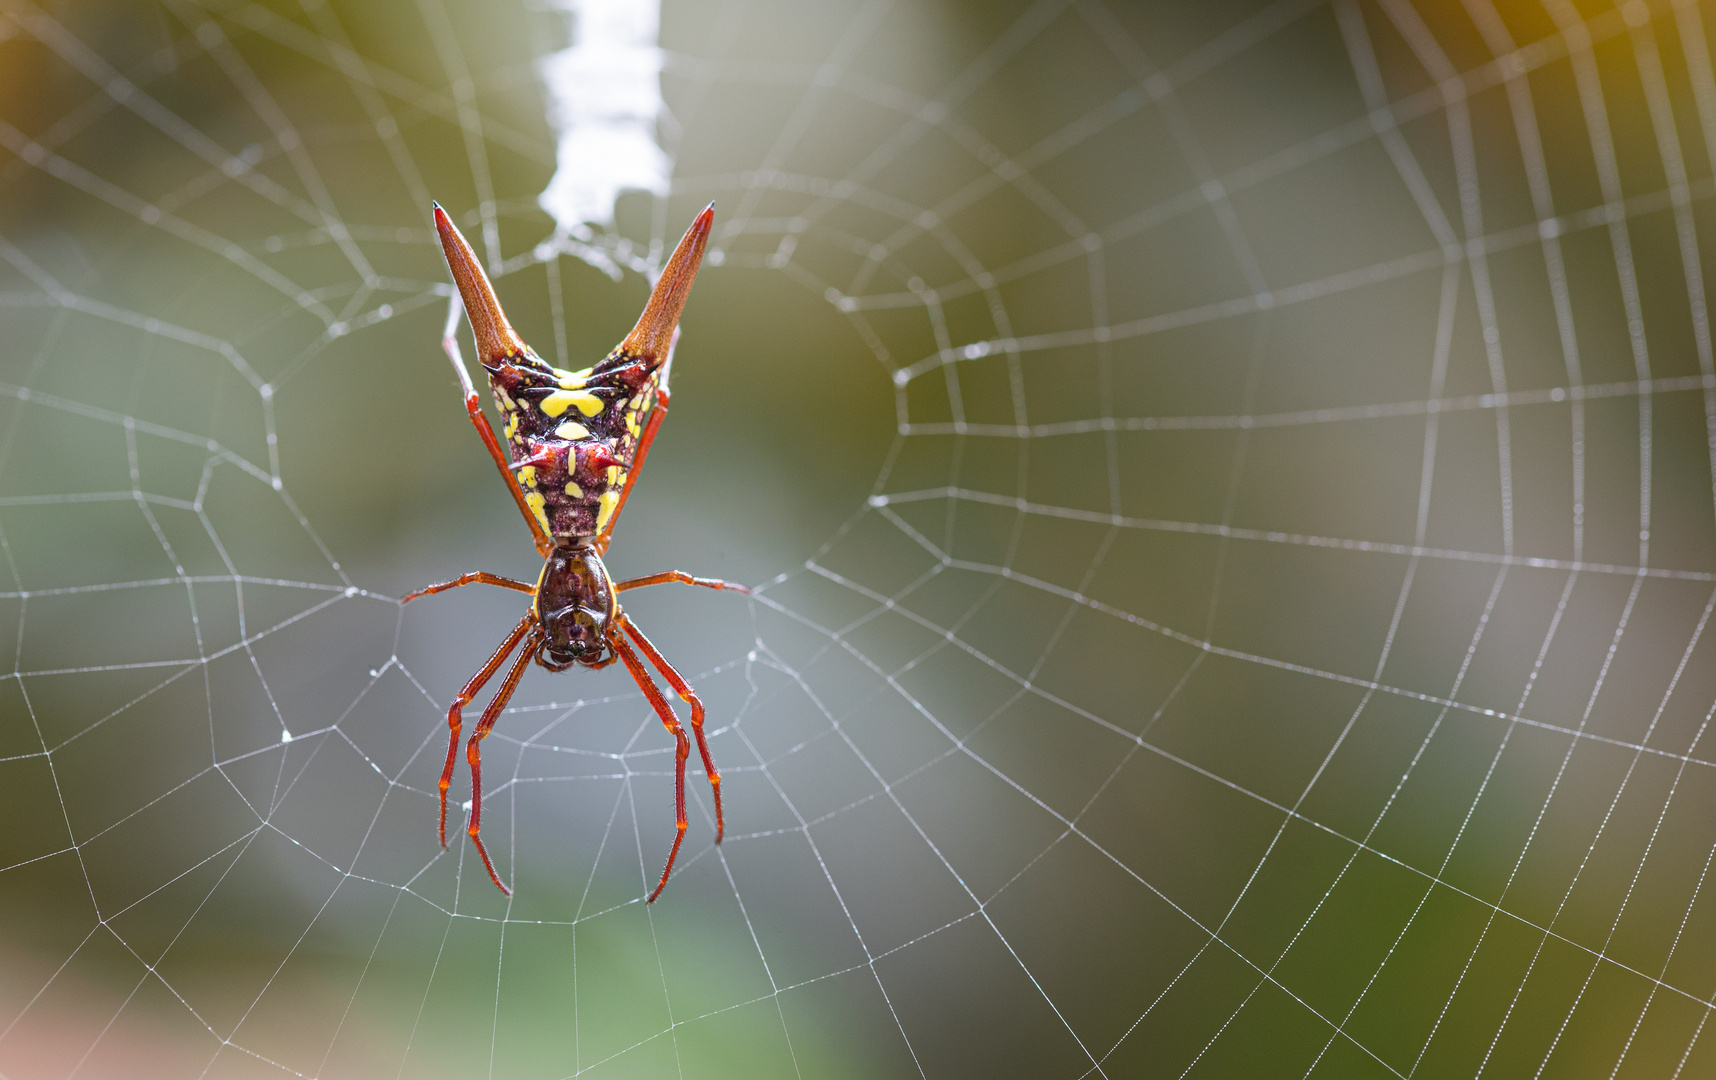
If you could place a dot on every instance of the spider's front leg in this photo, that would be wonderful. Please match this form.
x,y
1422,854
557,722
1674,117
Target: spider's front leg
x,y
675,679
689,696
682,746
455,719
681,749
475,757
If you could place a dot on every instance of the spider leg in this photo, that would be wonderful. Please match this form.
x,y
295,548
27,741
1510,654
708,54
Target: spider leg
x,y
656,416
682,578
682,749
474,408
495,339
475,757
656,334
471,690
689,696
475,577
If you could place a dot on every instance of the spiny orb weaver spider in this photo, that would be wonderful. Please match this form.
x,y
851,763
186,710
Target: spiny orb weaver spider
x,y
578,441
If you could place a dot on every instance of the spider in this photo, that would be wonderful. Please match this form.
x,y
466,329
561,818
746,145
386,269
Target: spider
x,y
578,441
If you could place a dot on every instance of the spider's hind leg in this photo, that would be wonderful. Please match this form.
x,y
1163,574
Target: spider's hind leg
x,y
496,341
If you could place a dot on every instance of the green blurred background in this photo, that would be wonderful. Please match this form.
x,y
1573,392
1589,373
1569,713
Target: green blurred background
x,y
1230,485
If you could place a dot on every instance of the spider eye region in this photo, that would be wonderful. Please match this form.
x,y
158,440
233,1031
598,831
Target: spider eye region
x,y
574,633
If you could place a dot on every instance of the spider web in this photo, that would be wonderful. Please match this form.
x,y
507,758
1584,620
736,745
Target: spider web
x,y
1230,485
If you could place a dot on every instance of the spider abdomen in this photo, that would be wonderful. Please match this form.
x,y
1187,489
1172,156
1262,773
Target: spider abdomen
x,y
572,435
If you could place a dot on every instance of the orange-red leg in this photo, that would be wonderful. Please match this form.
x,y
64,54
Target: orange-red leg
x,y
475,757
680,576
682,749
474,408
689,696
475,577
656,416
657,334
455,718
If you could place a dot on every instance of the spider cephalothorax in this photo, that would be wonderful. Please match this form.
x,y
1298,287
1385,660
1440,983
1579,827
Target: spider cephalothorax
x,y
577,440
574,606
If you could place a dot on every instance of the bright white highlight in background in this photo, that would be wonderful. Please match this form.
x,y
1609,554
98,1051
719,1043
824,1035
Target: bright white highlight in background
x,y
604,96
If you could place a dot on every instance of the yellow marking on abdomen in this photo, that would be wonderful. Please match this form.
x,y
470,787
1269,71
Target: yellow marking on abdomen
x,y
605,509
536,502
559,401
572,429
574,490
